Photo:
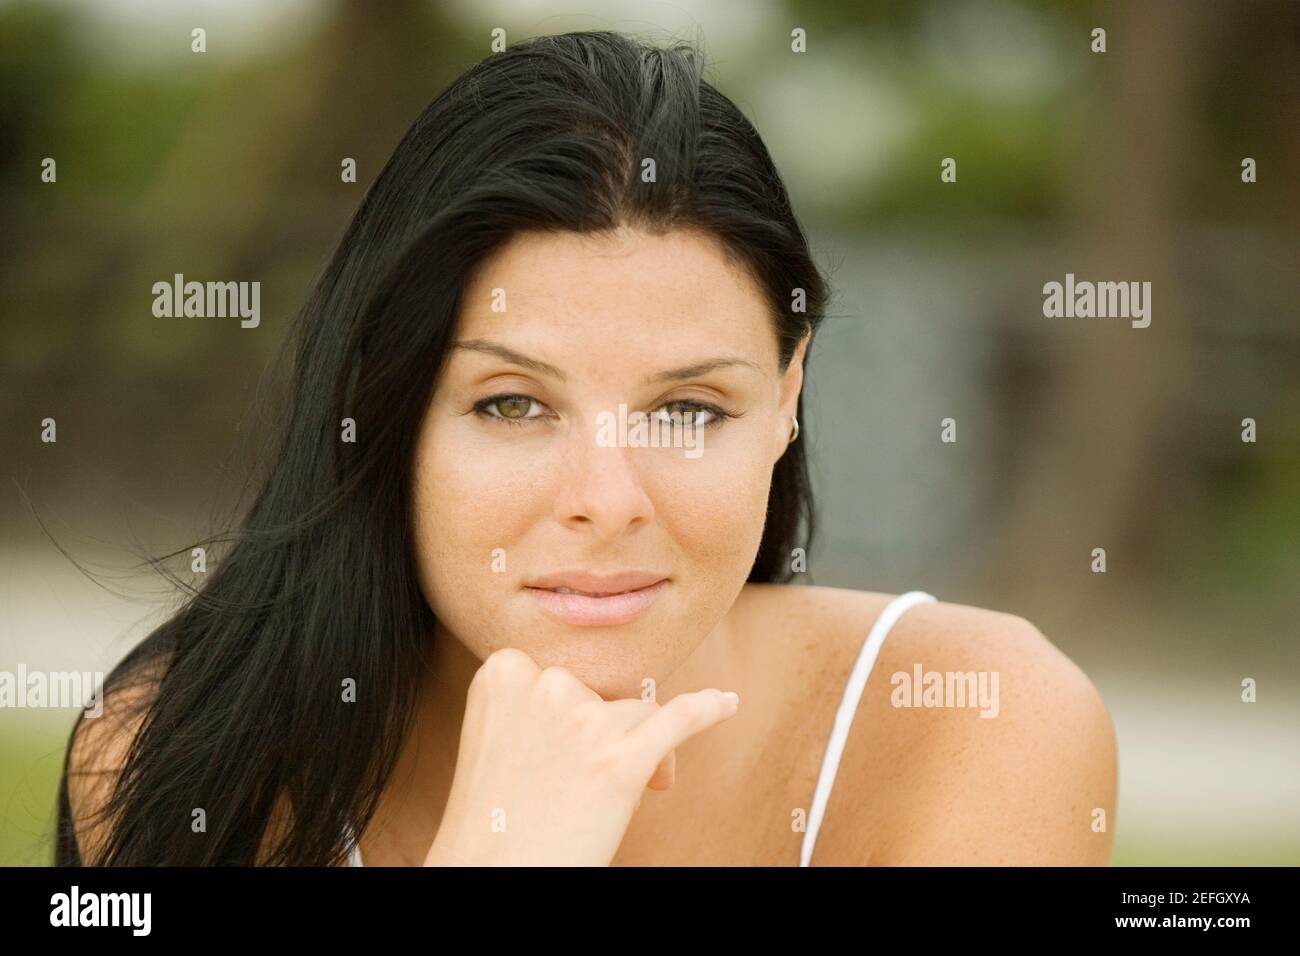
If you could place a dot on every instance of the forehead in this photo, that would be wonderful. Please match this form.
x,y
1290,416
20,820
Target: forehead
x,y
627,285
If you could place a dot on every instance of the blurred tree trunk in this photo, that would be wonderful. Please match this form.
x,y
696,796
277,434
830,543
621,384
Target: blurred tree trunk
x,y
1097,458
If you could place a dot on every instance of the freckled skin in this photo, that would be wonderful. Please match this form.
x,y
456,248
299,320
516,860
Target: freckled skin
x,y
608,311
914,786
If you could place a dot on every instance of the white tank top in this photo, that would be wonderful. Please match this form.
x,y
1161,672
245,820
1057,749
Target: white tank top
x,y
839,731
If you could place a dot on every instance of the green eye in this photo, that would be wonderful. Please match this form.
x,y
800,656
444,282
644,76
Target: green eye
x,y
516,406
511,409
692,414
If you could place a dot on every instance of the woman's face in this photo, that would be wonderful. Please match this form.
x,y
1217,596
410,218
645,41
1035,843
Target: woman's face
x,y
525,482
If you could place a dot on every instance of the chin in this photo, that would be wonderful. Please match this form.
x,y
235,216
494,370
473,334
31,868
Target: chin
x,y
612,665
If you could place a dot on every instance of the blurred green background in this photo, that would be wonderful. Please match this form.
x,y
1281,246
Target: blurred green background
x,y
1072,433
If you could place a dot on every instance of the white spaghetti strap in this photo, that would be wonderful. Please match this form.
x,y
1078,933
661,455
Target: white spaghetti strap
x,y
848,706
354,851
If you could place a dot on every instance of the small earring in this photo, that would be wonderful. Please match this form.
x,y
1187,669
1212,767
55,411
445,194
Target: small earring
x,y
794,432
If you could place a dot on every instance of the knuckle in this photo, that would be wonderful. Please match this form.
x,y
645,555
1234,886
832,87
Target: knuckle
x,y
554,682
503,666
589,717
617,770
557,676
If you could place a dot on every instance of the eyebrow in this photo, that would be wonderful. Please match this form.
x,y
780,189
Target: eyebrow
x,y
700,368
671,375
510,355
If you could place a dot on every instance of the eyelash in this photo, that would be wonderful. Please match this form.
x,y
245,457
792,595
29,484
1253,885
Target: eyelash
x,y
719,416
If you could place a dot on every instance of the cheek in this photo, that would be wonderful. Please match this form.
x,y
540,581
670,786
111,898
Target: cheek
x,y
471,507
714,508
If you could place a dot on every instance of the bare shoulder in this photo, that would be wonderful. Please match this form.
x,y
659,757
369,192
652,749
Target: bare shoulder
x,y
976,741
99,751
100,746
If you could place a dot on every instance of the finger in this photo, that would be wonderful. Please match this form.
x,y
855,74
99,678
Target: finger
x,y
629,712
676,722
665,774
560,685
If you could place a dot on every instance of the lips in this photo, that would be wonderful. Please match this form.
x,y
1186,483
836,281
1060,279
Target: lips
x,y
583,599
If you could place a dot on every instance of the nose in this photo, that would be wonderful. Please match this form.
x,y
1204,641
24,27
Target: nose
x,y
601,489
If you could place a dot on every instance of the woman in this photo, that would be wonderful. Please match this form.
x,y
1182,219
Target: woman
x,y
466,621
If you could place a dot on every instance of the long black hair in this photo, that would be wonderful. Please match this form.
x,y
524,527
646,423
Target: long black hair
x,y
317,583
